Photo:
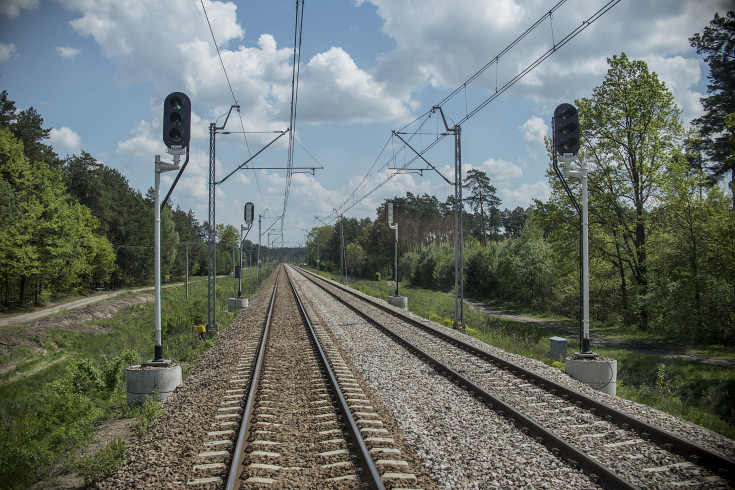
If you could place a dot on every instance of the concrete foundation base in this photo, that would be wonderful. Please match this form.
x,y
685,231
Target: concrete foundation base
x,y
144,381
234,305
399,301
598,373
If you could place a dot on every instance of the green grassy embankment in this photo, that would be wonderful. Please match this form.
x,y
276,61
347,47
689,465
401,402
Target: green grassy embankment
x,y
53,395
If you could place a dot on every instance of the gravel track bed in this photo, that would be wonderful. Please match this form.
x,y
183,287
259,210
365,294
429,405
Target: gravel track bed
x,y
658,457
643,463
164,457
396,460
461,442
296,439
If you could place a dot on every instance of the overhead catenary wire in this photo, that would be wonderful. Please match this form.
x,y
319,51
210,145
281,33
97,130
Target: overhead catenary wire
x,y
229,84
296,70
354,198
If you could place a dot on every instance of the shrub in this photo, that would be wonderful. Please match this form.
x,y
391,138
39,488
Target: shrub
x,y
98,466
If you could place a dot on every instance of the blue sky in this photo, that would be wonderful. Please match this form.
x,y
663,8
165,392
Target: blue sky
x,y
99,70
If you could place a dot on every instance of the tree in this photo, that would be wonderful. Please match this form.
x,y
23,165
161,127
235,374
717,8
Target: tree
x,y
49,241
482,197
354,256
513,221
169,241
717,43
630,129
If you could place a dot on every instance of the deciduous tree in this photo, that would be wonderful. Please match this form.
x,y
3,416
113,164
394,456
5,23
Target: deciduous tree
x,y
630,129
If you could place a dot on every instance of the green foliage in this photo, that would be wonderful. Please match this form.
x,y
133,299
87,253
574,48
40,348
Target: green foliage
x,y
47,241
98,466
717,43
42,427
146,413
483,197
48,416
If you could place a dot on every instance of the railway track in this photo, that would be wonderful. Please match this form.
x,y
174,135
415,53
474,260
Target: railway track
x,y
304,419
614,449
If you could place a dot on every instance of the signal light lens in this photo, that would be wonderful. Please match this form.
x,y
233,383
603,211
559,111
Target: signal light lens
x,y
176,119
175,136
175,103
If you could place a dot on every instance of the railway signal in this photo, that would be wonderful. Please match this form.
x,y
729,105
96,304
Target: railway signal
x,y
566,130
249,214
176,120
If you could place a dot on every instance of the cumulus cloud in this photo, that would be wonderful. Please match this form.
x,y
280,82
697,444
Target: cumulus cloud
x,y
332,87
441,44
67,52
65,140
7,50
533,131
12,8
524,194
499,170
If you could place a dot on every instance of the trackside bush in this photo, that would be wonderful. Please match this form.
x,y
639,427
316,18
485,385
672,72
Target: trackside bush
x,y
54,423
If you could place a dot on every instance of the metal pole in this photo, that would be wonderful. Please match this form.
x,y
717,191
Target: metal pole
x,y
395,265
458,232
159,167
211,244
585,264
239,285
457,132
187,270
260,216
341,248
157,244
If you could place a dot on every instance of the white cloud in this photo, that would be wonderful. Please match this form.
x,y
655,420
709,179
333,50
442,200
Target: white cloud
x,y
524,194
67,52
12,8
441,44
331,88
65,140
334,88
680,75
533,131
7,50
499,170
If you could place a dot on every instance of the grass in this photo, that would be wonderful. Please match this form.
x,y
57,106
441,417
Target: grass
x,y
47,416
697,392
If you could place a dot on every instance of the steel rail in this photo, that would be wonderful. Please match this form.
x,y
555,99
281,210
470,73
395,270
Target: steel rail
x,y
699,455
233,479
598,473
367,471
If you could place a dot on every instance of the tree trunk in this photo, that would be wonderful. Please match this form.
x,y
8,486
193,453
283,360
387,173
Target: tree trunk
x,y
22,290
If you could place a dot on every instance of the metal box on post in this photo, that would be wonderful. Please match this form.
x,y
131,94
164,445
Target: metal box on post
x,y
558,348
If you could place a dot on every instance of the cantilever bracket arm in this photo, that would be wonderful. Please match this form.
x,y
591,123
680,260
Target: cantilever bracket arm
x,y
439,108
422,157
251,158
216,128
176,180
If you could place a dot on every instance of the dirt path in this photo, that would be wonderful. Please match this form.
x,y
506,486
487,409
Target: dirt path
x,y
35,315
658,348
